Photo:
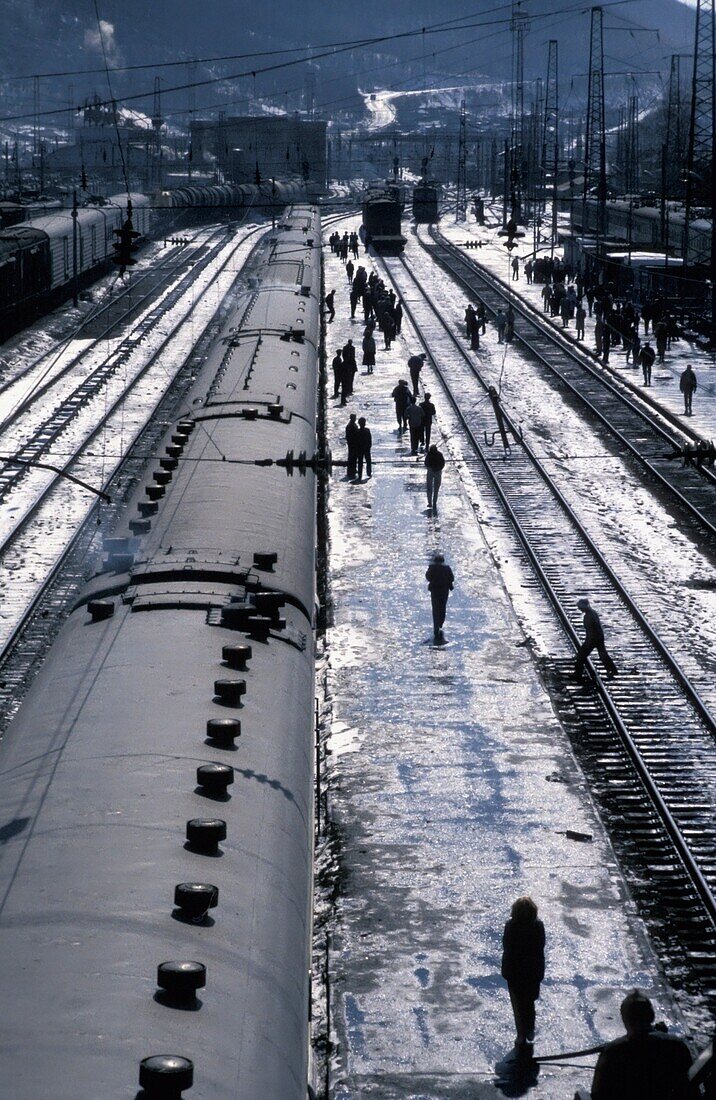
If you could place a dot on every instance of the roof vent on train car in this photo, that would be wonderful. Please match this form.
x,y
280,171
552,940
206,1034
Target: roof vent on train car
x,y
181,979
259,627
294,334
195,899
162,477
165,1076
169,463
224,731
274,410
185,427
214,779
250,413
236,616
230,691
204,834
154,492
236,656
269,602
174,450
306,291
100,610
147,507
265,560
140,526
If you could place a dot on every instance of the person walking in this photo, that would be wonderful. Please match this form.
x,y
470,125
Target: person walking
x,y
481,314
434,464
471,328
565,311
645,1062
509,325
415,365
661,333
428,416
515,269
364,444
501,323
416,418
350,367
398,316
369,351
352,433
441,581
329,302
593,639
528,271
403,398
349,272
688,386
337,368
523,942
647,355
580,317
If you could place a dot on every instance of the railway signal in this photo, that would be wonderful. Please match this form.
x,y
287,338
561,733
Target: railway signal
x,y
125,244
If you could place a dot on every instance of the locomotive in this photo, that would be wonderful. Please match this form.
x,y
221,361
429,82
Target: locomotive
x,y
426,202
37,258
158,776
381,221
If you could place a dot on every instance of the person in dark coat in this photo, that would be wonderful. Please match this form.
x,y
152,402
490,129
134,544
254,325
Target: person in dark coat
x,y
329,302
388,329
352,434
647,355
471,328
349,271
337,367
644,1064
402,397
661,333
350,367
523,965
441,581
398,316
416,421
593,639
369,352
365,442
434,464
581,316
428,416
415,365
687,385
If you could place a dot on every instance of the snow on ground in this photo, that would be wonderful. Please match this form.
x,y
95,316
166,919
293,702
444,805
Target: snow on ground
x,y
452,786
661,566
665,379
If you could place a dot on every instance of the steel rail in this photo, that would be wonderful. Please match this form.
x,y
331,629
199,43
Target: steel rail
x,y
681,846
563,343
24,522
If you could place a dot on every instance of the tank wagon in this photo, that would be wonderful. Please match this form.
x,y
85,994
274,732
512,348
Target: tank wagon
x,y
157,781
426,202
37,261
240,195
381,222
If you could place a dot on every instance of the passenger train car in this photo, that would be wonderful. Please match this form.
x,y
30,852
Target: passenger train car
x,y
37,267
157,878
643,224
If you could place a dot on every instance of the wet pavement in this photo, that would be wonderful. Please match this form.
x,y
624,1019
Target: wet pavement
x,y
453,787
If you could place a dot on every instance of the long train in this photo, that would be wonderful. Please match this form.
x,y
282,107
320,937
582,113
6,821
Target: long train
x,y
37,257
157,780
234,195
645,226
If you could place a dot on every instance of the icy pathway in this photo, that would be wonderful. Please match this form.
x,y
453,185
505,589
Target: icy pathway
x,y
452,785
665,377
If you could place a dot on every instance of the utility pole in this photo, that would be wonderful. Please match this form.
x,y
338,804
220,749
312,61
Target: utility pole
x,y
518,26
674,136
75,294
157,123
461,193
35,115
632,145
595,152
550,135
700,180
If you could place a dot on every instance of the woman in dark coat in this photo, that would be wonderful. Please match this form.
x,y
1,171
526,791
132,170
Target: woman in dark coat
x,y
523,965
369,351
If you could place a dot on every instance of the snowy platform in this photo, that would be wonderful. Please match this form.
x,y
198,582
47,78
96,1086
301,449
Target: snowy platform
x,y
664,388
453,786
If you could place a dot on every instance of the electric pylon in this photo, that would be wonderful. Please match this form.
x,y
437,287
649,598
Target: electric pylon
x,y
700,181
461,194
674,136
595,152
550,134
518,26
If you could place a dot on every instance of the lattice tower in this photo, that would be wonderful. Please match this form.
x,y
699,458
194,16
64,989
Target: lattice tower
x,y
595,152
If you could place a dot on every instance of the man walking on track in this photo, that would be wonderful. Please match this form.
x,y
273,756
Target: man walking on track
x,y
593,639
441,581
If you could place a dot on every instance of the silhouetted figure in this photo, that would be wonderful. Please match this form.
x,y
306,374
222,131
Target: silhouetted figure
x,y
329,301
415,365
515,269
428,416
369,352
581,317
523,966
349,271
661,333
337,368
644,1064
647,355
416,420
352,434
593,639
398,316
403,398
687,385
471,328
441,581
500,322
435,464
365,442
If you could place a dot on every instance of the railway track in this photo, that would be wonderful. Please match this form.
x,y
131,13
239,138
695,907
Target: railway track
x,y
42,510
654,735
649,435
